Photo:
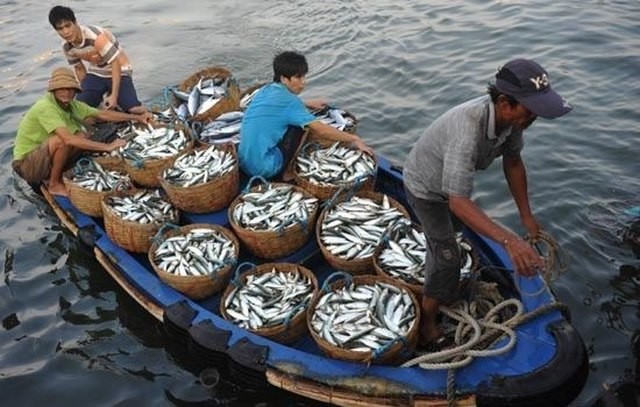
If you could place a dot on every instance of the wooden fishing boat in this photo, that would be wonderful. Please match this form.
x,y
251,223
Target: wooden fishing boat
x,y
547,366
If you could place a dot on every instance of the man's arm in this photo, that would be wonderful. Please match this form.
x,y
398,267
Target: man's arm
x,y
115,116
516,176
86,144
325,131
116,76
81,71
524,258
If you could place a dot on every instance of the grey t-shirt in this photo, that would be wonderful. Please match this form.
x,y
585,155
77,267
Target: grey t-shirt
x,y
444,159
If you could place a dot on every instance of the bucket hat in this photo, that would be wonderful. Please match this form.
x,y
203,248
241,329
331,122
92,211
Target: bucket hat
x,y
62,78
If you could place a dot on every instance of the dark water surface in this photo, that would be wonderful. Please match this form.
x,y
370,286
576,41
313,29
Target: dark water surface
x,y
69,334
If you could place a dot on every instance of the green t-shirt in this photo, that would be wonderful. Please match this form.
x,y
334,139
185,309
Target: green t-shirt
x,y
44,117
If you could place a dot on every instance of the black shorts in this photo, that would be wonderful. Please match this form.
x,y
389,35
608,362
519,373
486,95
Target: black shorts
x,y
442,268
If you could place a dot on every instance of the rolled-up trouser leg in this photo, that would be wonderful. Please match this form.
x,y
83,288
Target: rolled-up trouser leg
x,y
443,261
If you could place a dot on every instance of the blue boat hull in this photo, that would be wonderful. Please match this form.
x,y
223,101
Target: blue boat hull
x,y
547,366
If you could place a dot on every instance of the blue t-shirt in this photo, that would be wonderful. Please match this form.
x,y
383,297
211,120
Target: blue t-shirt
x,y
265,122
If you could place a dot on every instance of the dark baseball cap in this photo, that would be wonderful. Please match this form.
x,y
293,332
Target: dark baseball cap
x,y
528,83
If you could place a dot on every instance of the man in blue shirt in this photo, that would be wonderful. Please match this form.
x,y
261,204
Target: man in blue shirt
x,y
272,125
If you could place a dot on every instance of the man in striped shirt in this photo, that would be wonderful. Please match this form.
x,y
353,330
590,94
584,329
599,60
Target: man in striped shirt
x,y
109,70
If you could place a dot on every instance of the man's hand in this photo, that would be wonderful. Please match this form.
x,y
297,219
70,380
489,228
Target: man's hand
x,y
316,104
111,102
532,225
117,143
525,259
359,144
145,118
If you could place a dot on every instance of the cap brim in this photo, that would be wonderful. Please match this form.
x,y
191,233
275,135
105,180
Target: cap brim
x,y
548,104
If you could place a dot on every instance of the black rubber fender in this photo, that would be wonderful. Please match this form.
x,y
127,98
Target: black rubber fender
x,y
556,384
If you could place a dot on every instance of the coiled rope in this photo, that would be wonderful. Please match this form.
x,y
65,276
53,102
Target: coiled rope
x,y
481,323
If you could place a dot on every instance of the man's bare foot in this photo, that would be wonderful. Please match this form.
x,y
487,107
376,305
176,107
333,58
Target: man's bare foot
x,y
429,337
58,189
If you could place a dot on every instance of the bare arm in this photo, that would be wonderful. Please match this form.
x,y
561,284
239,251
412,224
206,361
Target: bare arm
x,y
524,258
86,144
116,76
81,71
115,116
327,132
516,176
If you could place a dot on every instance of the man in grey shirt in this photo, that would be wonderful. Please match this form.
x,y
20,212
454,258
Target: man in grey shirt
x,y
439,171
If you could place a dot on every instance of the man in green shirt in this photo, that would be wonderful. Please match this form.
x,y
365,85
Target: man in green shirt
x,y
51,132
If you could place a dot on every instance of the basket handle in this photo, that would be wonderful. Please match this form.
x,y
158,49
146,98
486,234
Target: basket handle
x,y
250,183
83,164
294,312
237,274
384,348
333,276
158,237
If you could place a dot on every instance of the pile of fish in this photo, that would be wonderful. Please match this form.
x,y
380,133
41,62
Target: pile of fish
x,y
144,207
201,97
269,299
167,117
404,255
365,317
335,165
199,167
245,100
90,175
274,208
154,143
336,117
199,252
225,128
353,229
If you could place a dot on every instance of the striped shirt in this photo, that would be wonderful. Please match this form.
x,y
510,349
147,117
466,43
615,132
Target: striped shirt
x,y
463,140
99,47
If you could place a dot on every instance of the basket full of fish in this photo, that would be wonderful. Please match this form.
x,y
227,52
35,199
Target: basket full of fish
x,y
368,319
338,118
223,129
273,219
152,150
204,179
271,300
133,217
403,252
196,259
349,230
88,183
325,170
112,161
206,94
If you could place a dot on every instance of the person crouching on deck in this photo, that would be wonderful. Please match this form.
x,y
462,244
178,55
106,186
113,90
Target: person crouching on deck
x,y
109,70
272,127
51,132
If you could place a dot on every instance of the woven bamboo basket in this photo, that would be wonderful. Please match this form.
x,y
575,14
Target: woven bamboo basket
x,y
111,163
282,333
133,236
354,266
273,244
324,192
209,196
148,172
85,200
230,103
196,287
416,287
397,353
